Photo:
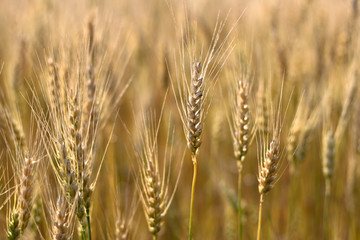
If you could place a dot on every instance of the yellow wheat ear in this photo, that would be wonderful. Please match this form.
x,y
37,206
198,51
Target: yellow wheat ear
x,y
270,156
153,177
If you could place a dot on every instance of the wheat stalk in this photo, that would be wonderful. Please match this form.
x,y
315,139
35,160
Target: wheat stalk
x,y
192,103
241,133
270,158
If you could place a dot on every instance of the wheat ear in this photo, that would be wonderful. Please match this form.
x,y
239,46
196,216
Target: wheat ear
x,y
241,135
328,169
194,115
153,185
13,232
26,192
121,230
269,162
61,229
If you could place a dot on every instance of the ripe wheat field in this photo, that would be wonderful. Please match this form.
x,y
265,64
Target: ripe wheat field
x,y
179,119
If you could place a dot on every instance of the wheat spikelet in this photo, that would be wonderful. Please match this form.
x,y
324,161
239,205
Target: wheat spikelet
x,y
155,199
241,121
270,156
61,212
267,172
91,36
16,129
25,195
121,230
77,148
270,159
54,85
87,189
347,108
68,176
328,154
328,159
75,133
60,223
79,166
91,109
19,216
13,232
19,134
303,124
194,111
296,147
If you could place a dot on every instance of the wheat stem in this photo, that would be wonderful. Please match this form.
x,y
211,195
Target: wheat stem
x,y
260,215
194,160
83,234
239,206
88,223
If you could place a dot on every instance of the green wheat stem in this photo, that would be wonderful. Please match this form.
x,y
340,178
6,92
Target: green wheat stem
x,y
83,235
88,223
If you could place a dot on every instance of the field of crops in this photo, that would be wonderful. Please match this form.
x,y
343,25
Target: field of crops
x,y
171,119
